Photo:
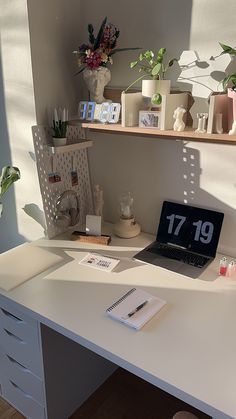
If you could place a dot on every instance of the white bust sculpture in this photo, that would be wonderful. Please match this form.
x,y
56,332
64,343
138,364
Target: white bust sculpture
x,y
96,80
179,124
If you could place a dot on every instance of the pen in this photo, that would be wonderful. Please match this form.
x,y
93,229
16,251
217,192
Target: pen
x,y
137,309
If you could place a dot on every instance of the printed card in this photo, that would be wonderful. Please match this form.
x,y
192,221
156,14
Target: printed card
x,y
97,261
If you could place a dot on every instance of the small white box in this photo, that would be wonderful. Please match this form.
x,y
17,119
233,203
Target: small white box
x,y
94,225
150,119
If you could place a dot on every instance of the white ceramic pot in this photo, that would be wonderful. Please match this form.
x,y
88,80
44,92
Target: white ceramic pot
x,y
150,87
57,142
95,81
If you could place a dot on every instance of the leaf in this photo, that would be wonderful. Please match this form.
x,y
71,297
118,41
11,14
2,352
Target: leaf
x,y
133,64
8,176
148,55
160,55
91,35
227,49
229,80
122,49
156,70
80,71
100,33
171,62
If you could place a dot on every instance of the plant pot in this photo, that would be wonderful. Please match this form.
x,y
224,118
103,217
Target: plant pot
x,y
150,87
57,142
95,81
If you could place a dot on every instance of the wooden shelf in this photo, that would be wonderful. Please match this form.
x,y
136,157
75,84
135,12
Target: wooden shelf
x,y
79,145
187,135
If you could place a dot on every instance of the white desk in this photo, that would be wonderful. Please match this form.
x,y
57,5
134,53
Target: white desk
x,y
188,349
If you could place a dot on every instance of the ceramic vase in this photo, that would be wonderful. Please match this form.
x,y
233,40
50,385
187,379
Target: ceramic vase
x,y
150,87
232,111
96,80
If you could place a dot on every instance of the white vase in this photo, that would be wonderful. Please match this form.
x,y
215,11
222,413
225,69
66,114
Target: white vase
x,y
150,87
95,81
57,142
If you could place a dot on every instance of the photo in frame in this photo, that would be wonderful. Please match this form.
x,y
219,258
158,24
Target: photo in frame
x,y
150,119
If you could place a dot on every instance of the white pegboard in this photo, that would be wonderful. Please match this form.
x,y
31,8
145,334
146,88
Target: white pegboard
x,y
62,163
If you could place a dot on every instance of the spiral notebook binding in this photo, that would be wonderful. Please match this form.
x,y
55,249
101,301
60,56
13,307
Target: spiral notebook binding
x,y
121,299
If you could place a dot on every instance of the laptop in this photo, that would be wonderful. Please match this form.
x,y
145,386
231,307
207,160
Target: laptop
x,y
186,241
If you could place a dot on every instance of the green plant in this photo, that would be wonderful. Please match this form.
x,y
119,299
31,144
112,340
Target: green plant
x,y
8,176
152,66
60,123
230,79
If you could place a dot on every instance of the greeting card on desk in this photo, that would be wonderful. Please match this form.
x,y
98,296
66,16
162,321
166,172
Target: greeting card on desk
x,y
97,261
135,308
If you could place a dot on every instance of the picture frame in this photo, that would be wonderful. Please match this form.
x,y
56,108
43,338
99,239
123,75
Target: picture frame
x,y
150,119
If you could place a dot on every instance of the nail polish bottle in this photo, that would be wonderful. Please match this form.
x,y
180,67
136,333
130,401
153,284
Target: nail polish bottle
x,y
223,266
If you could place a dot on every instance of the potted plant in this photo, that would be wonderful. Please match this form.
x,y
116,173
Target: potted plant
x,y
60,123
95,56
8,176
153,66
229,83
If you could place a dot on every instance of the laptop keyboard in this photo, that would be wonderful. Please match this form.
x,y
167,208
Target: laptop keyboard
x,y
179,254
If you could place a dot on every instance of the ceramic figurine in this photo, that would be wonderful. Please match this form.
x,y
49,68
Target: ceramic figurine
x,y
98,200
179,124
202,118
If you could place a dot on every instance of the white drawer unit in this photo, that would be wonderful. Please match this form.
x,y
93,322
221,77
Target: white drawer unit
x,y
22,401
23,377
21,365
19,337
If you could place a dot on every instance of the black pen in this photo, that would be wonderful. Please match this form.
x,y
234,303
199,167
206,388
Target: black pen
x,y
137,309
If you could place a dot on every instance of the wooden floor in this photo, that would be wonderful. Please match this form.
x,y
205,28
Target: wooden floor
x,y
122,396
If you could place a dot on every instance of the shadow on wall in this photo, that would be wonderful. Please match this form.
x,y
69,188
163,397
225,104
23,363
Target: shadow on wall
x,y
154,171
8,234
33,211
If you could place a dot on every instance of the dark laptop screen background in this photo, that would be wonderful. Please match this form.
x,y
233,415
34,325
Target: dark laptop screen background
x,y
195,229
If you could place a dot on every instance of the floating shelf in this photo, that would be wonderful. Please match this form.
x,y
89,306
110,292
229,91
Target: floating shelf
x,y
79,145
187,135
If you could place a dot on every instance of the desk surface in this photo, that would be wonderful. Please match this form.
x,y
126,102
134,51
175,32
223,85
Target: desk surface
x,y
187,349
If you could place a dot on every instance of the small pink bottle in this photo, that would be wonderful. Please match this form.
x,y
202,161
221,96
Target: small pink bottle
x,y
223,266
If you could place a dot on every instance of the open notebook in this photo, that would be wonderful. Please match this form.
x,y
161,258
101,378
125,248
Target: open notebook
x,y
135,308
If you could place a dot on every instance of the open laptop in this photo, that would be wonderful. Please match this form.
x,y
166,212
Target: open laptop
x,y
186,240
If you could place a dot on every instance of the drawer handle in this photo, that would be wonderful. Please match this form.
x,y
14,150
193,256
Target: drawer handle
x,y
14,336
20,389
13,361
11,315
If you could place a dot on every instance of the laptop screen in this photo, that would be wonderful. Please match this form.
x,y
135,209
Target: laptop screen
x,y
195,229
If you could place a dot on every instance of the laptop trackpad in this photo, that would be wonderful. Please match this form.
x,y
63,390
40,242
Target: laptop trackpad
x,y
158,260
170,264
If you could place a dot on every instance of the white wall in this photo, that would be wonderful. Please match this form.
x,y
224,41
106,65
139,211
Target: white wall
x,y
155,169
29,89
54,30
17,115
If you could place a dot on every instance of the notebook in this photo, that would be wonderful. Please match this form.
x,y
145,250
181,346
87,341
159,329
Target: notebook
x,y
186,240
135,308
